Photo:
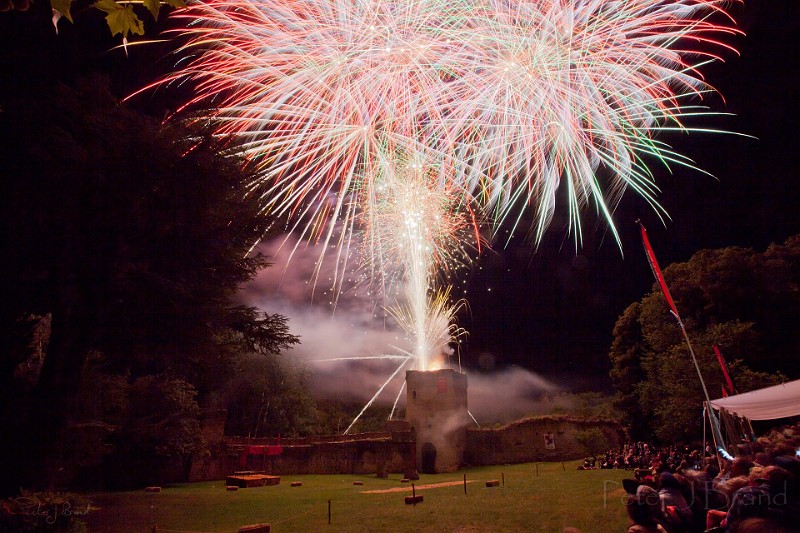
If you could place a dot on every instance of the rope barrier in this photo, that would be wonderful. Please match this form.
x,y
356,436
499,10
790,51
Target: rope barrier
x,y
157,529
293,517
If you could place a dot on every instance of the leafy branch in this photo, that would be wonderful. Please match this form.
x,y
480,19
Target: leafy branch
x,y
120,16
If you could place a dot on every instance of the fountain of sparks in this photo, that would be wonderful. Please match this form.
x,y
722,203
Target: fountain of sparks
x,y
415,229
504,104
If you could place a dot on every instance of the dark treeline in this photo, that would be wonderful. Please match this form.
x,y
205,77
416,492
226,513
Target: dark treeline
x,y
124,243
743,301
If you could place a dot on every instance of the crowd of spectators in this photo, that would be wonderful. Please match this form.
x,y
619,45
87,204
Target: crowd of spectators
x,y
683,490
642,455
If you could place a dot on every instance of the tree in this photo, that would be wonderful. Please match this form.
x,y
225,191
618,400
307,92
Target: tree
x,y
591,440
268,397
159,428
134,239
627,350
735,298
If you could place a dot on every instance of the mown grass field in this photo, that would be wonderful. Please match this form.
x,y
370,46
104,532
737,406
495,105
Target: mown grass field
x,y
558,497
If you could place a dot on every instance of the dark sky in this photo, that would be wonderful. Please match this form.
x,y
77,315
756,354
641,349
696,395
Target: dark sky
x,y
551,309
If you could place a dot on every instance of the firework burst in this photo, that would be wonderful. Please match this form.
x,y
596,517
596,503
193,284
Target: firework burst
x,y
405,121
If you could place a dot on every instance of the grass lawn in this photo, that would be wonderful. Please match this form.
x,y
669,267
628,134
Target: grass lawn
x,y
588,500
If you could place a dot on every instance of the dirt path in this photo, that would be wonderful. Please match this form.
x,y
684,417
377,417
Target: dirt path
x,y
417,487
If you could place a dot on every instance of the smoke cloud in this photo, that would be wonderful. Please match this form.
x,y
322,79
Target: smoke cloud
x,y
509,394
351,324
354,325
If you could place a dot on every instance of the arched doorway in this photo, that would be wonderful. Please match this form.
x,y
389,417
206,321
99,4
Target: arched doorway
x,y
428,458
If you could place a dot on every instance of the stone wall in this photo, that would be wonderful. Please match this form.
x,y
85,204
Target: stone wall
x,y
527,440
394,451
368,453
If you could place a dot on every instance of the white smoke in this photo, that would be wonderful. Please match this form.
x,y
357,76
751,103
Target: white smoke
x,y
354,325
508,394
350,324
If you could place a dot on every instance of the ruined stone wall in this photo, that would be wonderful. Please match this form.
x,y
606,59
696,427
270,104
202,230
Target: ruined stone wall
x,y
395,450
374,453
527,440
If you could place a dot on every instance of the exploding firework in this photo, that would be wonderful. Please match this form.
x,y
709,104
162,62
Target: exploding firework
x,y
413,226
398,124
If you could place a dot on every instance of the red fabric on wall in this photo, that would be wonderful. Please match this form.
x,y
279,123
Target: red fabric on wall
x,y
273,450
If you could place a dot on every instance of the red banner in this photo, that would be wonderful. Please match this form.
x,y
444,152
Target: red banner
x,y
258,450
651,258
724,368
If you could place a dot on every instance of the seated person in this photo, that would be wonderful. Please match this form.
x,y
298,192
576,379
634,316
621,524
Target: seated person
x,y
644,510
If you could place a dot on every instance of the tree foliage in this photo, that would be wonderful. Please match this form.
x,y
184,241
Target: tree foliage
x,y
142,232
583,405
133,239
735,298
591,440
268,397
162,418
122,17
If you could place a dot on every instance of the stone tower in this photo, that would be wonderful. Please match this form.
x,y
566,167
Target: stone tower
x,y
436,408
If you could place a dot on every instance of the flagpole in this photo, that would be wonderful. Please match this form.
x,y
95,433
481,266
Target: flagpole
x,y
704,434
719,443
715,430
691,352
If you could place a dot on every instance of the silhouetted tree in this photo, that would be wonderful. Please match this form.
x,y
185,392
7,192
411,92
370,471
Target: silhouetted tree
x,y
736,298
133,239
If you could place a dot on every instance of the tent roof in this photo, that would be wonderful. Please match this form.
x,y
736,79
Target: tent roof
x,y
779,401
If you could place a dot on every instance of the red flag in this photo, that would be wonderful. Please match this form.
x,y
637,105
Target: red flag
x,y
724,368
651,258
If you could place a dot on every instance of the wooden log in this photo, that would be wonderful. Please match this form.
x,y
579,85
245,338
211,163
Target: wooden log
x,y
413,500
232,488
493,483
244,481
152,489
296,484
255,528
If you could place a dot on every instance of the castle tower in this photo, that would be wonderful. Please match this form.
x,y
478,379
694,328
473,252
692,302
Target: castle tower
x,y
436,408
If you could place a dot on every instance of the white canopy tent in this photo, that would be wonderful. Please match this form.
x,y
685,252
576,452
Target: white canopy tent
x,y
779,401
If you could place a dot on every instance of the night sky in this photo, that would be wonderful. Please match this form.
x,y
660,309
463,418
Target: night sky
x,y
551,309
